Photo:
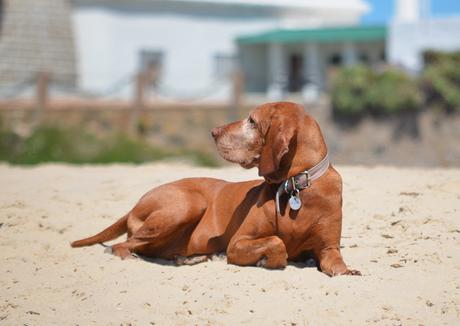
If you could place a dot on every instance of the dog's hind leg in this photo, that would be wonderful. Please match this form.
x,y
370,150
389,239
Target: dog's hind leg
x,y
161,222
161,232
126,249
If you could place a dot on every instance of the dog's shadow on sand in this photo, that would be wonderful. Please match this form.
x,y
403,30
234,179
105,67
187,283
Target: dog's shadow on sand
x,y
309,263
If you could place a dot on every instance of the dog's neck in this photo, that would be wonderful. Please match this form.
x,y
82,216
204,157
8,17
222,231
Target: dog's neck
x,y
294,185
306,150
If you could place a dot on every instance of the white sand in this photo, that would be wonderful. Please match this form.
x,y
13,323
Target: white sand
x,y
405,218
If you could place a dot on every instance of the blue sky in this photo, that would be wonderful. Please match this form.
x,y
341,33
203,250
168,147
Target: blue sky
x,y
382,10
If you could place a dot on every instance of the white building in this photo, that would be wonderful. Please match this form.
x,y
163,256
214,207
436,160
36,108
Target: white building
x,y
286,60
190,42
282,46
283,61
413,31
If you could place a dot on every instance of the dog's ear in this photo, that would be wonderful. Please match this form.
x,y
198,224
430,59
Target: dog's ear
x,y
281,130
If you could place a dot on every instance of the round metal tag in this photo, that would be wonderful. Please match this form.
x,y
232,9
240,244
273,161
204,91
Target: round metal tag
x,y
295,203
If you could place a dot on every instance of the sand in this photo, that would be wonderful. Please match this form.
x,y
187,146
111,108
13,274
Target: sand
x,y
401,229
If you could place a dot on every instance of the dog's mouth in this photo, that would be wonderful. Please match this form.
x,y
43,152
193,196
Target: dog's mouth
x,y
247,164
250,164
246,158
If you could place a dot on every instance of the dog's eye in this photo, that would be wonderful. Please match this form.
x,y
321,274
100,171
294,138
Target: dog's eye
x,y
251,121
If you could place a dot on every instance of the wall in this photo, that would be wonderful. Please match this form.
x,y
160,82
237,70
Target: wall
x,y
254,62
427,139
110,35
407,41
36,36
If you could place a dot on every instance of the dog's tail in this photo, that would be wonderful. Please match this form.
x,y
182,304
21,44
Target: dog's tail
x,y
114,231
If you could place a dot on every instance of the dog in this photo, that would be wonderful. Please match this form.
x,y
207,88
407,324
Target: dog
x,y
254,222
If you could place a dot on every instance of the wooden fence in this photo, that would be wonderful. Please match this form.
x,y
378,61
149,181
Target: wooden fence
x,y
42,104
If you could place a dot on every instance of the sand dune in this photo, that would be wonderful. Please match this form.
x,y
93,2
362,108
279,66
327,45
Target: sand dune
x,y
401,230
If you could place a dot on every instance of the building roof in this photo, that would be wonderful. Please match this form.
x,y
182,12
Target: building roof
x,y
359,6
355,5
320,35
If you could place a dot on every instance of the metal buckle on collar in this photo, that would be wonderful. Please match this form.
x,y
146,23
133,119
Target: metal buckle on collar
x,y
294,184
308,179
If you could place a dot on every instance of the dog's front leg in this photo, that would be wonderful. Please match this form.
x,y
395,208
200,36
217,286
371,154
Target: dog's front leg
x,y
332,264
269,252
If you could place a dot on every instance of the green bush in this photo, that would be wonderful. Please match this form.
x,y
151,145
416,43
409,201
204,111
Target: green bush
x,y
358,90
393,91
431,57
71,145
50,144
349,90
441,80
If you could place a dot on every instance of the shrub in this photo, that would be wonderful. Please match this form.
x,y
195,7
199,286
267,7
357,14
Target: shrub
x,y
51,144
349,90
71,145
431,57
441,80
393,91
358,90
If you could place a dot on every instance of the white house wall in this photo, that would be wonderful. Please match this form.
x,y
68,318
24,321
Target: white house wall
x,y
408,41
92,30
254,63
109,43
109,39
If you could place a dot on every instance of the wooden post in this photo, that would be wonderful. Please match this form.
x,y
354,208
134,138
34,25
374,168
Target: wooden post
x,y
138,105
237,95
41,95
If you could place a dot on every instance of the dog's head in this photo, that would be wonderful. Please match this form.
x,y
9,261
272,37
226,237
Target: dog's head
x,y
269,139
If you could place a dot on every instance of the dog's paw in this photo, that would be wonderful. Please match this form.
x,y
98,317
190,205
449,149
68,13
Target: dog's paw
x,y
353,272
271,263
120,251
262,262
181,260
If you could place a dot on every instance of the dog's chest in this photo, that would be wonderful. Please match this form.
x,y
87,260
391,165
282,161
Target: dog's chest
x,y
293,225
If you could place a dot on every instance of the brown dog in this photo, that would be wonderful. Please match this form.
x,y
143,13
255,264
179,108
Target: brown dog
x,y
196,217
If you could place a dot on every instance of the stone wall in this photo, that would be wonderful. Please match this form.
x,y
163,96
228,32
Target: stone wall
x,y
426,139
36,35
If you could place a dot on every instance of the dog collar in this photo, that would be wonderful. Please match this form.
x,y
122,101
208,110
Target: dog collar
x,y
303,180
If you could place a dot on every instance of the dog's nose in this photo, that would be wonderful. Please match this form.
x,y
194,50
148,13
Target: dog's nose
x,y
215,132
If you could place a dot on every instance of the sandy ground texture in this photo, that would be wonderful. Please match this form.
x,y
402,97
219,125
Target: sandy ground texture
x,y
401,229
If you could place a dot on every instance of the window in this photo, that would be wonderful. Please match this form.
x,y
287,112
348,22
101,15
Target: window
x,y
224,65
151,63
335,59
363,58
296,79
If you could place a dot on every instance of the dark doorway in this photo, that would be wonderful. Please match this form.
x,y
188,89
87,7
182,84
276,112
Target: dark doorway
x,y
335,60
296,79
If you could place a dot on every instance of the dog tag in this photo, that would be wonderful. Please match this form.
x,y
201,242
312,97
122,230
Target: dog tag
x,y
295,203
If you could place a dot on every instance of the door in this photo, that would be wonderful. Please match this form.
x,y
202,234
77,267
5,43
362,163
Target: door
x,y
296,79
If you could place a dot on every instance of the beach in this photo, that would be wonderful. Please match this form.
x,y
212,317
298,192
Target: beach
x,y
401,229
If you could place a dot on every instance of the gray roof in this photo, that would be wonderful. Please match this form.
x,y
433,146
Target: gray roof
x,y
354,5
